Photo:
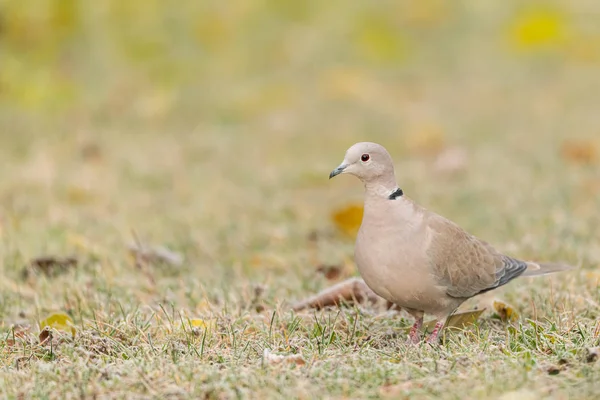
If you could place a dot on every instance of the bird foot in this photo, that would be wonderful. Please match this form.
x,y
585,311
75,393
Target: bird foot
x,y
413,336
433,338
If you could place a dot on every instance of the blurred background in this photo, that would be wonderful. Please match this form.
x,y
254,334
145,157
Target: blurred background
x,y
300,66
212,126
170,159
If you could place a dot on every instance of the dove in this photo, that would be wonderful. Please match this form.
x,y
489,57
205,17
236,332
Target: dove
x,y
415,258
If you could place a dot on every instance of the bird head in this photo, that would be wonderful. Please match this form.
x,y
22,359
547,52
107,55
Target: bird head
x,y
367,161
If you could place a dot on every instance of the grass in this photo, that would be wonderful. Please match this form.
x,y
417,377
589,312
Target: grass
x,y
234,178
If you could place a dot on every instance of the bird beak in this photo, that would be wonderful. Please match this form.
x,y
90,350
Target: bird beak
x,y
337,171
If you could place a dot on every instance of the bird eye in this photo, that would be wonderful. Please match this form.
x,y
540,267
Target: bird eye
x,y
364,158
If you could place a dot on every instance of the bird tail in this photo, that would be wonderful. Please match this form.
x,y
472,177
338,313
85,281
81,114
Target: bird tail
x,y
537,269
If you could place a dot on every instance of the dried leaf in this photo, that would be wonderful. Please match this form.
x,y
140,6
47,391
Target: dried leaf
x,y
348,219
348,291
579,152
593,354
554,369
463,319
59,321
155,255
45,336
506,312
274,359
330,272
50,265
456,321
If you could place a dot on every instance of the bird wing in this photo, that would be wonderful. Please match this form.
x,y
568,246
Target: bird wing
x,y
464,264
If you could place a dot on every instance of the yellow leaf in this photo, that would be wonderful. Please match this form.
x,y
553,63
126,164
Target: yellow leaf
x,y
505,311
458,321
538,28
59,321
199,323
348,219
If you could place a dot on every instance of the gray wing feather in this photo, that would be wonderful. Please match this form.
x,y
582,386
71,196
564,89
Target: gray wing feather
x,y
512,268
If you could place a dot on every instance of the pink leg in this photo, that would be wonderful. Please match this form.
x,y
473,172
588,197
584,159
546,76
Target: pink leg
x,y
414,331
433,338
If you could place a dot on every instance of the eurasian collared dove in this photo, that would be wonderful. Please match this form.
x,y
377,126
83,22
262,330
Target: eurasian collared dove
x,y
415,258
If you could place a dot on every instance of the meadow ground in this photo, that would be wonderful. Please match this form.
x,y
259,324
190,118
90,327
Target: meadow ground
x,y
231,173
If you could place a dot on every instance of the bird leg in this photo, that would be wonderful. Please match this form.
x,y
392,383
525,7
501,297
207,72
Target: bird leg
x,y
413,336
433,338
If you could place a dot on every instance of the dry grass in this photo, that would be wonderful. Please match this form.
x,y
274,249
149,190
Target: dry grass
x,y
235,180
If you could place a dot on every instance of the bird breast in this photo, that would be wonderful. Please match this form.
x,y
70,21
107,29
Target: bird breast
x,y
391,257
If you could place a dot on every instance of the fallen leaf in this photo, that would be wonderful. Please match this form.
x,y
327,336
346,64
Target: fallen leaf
x,y
330,272
348,291
505,312
348,219
155,255
274,359
593,354
456,321
60,322
198,323
50,265
539,28
579,151
199,326
45,335
554,369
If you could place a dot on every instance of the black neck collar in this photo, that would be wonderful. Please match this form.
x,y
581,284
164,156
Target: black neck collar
x,y
395,194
